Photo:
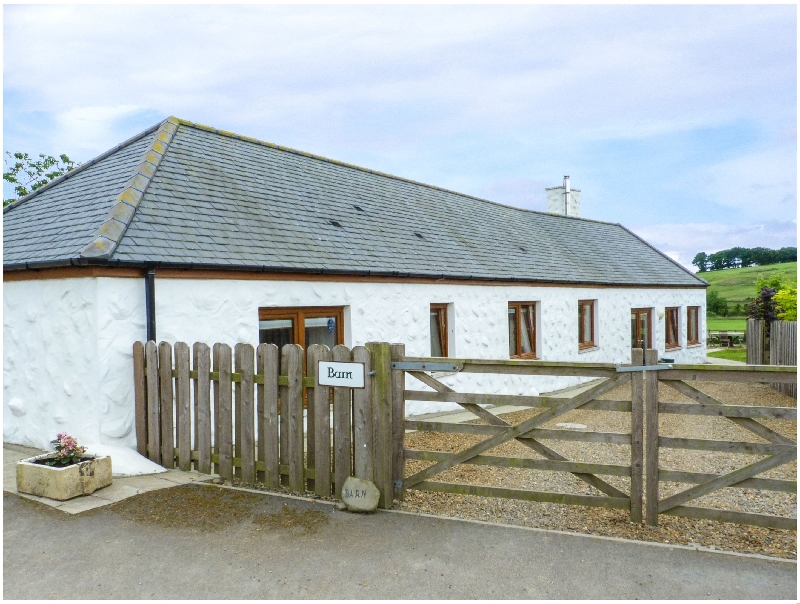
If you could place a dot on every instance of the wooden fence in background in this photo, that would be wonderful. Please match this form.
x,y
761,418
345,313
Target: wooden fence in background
x,y
779,348
242,414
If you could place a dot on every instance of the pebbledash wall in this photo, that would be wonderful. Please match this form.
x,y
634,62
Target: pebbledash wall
x,y
67,361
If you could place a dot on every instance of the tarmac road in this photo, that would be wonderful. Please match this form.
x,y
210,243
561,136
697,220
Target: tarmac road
x,y
108,554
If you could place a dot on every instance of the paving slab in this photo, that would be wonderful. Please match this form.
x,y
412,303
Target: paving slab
x,y
121,487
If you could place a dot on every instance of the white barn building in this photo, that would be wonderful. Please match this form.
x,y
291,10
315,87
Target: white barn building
x,y
202,235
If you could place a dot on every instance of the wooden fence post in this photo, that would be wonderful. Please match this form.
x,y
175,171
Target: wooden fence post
x,y
381,357
783,351
637,435
755,340
651,455
398,422
140,399
166,403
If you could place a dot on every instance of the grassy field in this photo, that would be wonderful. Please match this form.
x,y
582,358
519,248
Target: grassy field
x,y
726,323
737,285
732,354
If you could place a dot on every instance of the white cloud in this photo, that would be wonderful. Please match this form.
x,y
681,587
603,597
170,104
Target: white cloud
x,y
87,129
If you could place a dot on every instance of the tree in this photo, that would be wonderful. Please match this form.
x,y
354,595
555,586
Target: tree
x,y
29,174
716,304
786,299
701,261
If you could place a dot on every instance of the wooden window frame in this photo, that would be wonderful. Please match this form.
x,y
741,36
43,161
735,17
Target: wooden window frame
x,y
444,328
532,332
696,311
649,312
584,344
672,311
298,316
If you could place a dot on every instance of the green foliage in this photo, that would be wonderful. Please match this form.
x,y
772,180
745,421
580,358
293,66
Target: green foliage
x,y
716,304
786,299
732,354
28,174
726,324
776,282
739,257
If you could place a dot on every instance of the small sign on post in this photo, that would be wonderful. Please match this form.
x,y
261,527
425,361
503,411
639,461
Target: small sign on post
x,y
350,375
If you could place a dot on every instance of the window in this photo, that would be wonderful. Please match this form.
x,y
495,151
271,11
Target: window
x,y
305,326
693,325
522,330
641,330
586,332
673,328
439,330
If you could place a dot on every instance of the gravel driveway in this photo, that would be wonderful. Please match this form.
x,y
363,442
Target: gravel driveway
x,y
615,523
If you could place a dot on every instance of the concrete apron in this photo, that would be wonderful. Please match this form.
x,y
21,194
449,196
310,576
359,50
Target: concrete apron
x,y
121,487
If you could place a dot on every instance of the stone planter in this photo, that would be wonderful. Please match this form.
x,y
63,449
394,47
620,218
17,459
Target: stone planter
x,y
63,482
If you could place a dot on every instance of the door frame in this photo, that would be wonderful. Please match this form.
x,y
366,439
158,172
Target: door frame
x,y
637,312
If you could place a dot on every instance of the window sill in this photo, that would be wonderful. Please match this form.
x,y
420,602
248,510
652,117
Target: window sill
x,y
588,349
524,357
694,345
670,348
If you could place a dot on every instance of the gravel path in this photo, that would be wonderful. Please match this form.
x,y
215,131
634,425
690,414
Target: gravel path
x,y
615,523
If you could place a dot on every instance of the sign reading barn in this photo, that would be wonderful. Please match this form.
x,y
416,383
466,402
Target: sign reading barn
x,y
350,375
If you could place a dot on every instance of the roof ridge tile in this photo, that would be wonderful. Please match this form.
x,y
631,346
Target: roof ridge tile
x,y
119,217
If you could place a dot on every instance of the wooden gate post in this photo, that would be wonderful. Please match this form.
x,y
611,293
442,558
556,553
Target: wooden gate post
x,y
398,422
637,435
651,454
381,404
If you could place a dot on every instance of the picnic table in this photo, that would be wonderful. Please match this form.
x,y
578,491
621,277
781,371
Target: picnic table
x,y
726,338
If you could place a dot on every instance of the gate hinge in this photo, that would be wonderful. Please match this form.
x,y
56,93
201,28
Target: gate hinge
x,y
623,368
427,366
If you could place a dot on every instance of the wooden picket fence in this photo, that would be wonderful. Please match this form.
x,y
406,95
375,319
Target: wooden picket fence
x,y
241,414
247,420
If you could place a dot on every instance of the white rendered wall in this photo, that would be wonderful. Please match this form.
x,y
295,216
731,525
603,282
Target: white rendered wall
x,y
91,392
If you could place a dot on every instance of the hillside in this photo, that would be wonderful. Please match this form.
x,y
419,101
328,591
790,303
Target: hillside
x,y
737,285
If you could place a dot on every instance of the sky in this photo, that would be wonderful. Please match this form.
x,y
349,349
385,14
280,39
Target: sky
x,y
679,122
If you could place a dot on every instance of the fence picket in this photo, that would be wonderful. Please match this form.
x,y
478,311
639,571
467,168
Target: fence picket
x,y
153,403
140,399
294,407
283,420
222,360
167,409
322,429
342,437
312,356
183,401
268,361
202,406
362,419
215,400
245,404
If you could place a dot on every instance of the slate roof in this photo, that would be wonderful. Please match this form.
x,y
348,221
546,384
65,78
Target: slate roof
x,y
182,194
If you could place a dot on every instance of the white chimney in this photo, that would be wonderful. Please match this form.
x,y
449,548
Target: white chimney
x,y
564,200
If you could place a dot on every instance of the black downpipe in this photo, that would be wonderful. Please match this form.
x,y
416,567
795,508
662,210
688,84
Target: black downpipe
x,y
150,302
